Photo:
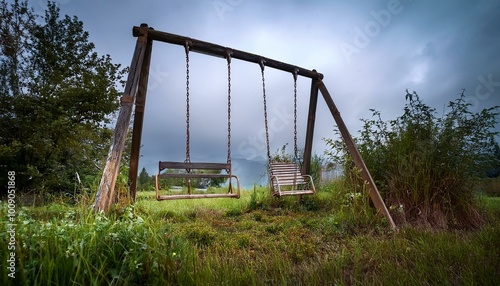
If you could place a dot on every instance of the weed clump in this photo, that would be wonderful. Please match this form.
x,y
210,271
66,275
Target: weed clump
x,y
426,166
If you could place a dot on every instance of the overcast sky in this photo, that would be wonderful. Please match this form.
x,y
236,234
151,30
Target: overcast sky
x,y
370,52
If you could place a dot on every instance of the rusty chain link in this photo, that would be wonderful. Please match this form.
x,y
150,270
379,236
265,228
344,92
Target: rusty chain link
x,y
262,64
228,107
295,72
188,158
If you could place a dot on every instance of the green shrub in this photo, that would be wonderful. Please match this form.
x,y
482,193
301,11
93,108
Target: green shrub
x,y
426,167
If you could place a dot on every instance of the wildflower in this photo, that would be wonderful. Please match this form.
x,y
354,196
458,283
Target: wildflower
x,y
113,236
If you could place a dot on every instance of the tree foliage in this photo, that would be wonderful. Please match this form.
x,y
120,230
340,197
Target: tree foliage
x,y
144,181
56,94
426,166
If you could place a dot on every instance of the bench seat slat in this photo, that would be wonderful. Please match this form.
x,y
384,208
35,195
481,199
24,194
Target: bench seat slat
x,y
286,174
289,183
196,165
191,175
296,192
196,196
285,169
289,176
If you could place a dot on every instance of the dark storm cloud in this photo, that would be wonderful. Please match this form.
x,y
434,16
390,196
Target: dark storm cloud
x,y
369,52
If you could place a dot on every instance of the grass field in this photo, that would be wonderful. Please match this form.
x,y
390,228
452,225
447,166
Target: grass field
x,y
327,239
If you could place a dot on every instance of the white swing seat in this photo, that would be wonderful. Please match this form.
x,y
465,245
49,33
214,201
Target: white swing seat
x,y
287,180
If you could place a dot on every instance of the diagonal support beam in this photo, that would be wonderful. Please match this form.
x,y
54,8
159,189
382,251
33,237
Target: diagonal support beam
x,y
106,192
140,105
356,157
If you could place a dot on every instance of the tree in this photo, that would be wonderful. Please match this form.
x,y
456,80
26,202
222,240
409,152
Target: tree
x,y
494,170
144,179
57,96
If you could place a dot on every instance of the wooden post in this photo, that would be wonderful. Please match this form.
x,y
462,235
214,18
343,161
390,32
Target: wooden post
x,y
106,192
311,118
356,157
140,103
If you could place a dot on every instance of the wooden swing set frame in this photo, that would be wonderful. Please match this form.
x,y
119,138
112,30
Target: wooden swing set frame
x,y
135,96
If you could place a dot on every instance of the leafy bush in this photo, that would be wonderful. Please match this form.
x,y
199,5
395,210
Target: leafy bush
x,y
426,167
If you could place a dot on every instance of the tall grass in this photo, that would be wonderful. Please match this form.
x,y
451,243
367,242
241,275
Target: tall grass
x,y
329,238
490,186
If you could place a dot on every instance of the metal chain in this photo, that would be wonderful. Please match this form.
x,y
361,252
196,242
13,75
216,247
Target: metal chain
x,y
228,107
262,64
188,158
295,112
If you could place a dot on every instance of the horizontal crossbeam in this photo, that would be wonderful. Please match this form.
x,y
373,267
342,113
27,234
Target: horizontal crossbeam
x,y
221,51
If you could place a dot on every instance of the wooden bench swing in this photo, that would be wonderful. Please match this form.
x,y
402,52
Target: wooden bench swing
x,y
215,169
286,178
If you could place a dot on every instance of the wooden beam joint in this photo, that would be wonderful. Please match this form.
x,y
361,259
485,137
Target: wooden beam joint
x,y
126,99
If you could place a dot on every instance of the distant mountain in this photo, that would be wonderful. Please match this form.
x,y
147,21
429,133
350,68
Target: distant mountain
x,y
250,171
256,159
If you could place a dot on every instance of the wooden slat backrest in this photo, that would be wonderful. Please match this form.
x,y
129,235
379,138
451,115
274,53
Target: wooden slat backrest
x,y
193,175
287,173
184,165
